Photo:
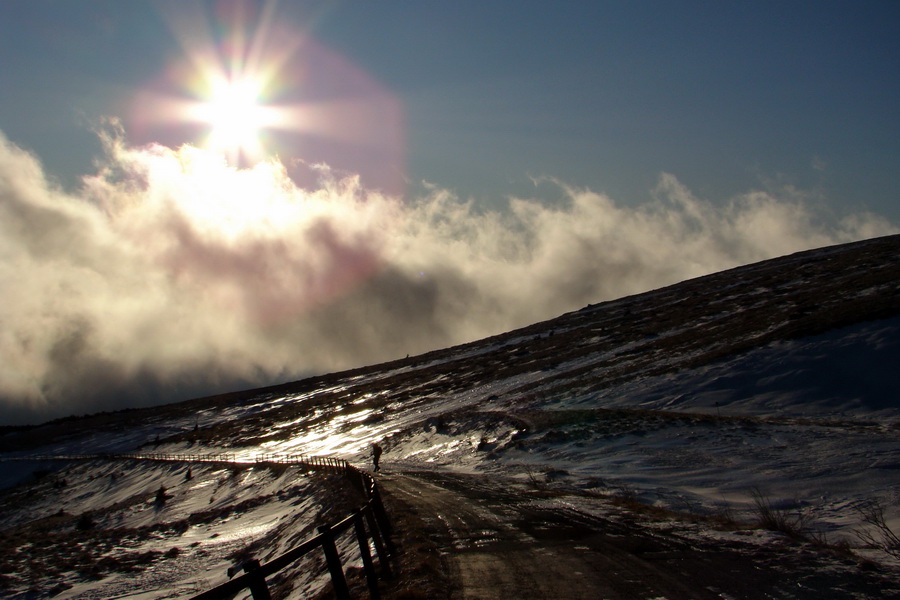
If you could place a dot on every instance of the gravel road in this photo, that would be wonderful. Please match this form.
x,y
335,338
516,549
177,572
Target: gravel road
x,y
496,539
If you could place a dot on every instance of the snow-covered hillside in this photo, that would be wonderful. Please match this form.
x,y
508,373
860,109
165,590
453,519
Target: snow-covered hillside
x,y
776,380
139,529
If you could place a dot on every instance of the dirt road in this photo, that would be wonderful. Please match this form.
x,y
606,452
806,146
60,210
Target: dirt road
x,y
497,540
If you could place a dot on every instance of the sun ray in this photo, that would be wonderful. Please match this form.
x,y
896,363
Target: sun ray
x,y
252,86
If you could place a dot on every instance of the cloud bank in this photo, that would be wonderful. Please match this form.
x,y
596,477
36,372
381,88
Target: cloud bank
x,y
170,275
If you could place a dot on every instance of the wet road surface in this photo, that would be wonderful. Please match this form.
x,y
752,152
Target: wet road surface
x,y
496,544
498,540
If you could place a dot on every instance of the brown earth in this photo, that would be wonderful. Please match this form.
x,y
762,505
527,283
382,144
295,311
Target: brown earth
x,y
479,537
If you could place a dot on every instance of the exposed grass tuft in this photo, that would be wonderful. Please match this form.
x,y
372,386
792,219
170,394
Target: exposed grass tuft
x,y
793,523
876,533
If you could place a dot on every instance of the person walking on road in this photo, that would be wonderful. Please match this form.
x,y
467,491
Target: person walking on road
x,y
376,455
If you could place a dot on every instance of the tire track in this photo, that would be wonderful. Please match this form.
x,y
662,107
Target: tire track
x,y
498,540
493,547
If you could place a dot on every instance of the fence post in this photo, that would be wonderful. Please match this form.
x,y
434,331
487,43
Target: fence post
x,y
380,513
365,553
341,591
379,546
258,588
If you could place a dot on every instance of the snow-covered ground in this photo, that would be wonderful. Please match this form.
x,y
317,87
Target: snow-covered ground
x,y
143,529
788,420
775,381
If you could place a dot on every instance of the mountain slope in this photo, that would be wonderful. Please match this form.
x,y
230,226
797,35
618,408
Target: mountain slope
x,y
682,326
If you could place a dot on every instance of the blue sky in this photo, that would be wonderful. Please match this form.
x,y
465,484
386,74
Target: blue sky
x,y
197,197
607,95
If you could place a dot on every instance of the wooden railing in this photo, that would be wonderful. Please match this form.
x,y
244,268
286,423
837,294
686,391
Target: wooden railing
x,y
368,522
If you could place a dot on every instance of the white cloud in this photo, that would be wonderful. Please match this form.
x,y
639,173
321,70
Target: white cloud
x,y
170,274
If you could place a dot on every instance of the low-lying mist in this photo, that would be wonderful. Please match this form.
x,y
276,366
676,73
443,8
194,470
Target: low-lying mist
x,y
169,274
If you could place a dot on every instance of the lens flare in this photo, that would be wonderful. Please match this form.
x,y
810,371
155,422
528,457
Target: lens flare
x,y
236,118
251,84
248,127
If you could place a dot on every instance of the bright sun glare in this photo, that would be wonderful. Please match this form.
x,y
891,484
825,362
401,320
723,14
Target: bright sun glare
x,y
235,117
248,87
233,114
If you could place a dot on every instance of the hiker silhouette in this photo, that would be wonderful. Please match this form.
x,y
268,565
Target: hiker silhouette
x,y
376,455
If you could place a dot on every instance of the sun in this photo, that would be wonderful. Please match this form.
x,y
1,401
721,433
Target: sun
x,y
235,117
249,85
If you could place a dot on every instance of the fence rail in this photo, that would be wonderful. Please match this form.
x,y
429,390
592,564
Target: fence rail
x,y
224,457
369,523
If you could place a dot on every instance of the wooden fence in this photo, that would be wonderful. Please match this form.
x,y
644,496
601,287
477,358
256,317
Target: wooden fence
x,y
368,523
